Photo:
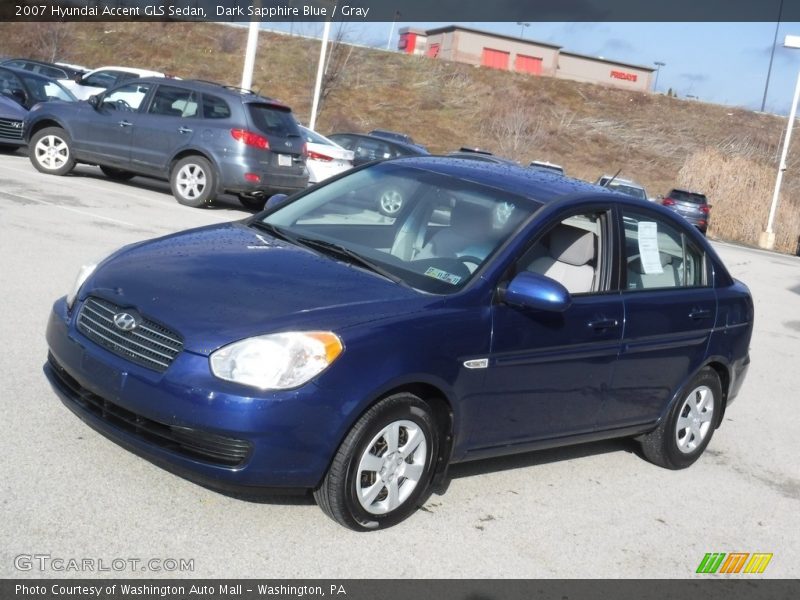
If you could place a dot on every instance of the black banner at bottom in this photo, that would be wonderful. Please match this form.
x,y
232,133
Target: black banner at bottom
x,y
398,589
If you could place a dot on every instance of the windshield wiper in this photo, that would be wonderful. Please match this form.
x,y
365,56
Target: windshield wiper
x,y
274,231
331,248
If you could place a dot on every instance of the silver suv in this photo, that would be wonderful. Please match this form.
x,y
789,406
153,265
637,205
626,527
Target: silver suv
x,y
205,138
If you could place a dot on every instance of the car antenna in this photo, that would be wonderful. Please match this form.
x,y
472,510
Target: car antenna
x,y
607,183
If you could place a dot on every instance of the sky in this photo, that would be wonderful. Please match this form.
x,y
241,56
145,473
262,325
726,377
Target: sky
x,y
723,63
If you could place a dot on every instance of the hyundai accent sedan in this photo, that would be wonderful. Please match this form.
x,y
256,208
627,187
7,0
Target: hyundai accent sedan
x,y
323,345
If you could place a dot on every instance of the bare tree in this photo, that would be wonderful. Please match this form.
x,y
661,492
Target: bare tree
x,y
50,40
338,57
514,125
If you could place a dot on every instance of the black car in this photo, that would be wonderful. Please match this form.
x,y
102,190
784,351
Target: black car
x,y
481,156
19,92
47,69
205,138
692,206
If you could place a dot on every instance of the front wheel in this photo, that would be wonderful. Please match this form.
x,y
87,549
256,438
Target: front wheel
x,y
384,466
51,151
193,181
686,431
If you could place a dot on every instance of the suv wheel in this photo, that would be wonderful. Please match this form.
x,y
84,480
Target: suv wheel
x,y
51,151
193,181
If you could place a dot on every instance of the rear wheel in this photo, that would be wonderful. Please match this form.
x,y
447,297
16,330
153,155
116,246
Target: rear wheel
x,y
193,181
51,151
117,174
384,466
684,434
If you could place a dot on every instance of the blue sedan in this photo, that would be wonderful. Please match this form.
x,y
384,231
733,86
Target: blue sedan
x,y
325,345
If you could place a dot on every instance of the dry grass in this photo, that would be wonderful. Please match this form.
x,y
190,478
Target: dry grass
x,y
729,153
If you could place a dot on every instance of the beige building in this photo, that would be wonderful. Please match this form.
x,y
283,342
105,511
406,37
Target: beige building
x,y
476,47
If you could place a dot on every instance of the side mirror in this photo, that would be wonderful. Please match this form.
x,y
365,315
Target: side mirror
x,y
275,201
78,78
535,291
94,101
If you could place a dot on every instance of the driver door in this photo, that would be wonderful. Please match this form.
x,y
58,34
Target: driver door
x,y
107,133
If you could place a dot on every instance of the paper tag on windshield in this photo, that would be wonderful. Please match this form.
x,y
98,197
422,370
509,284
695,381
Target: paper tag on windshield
x,y
649,254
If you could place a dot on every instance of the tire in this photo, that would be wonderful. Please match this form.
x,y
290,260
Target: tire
x,y
51,151
390,202
686,431
117,174
193,181
354,492
253,203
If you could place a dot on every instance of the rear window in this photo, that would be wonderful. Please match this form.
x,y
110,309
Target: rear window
x,y
215,108
681,196
273,120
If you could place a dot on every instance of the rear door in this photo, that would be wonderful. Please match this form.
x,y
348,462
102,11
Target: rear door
x,y
670,312
168,123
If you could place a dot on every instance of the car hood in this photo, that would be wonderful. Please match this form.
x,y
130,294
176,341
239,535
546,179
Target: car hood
x,y
222,283
10,109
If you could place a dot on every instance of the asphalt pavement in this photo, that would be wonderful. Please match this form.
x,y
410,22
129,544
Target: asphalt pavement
x,y
597,510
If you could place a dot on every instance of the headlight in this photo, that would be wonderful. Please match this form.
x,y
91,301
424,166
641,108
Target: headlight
x,y
278,361
83,275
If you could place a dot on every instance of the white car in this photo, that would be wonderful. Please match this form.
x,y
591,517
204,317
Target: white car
x,y
623,186
325,157
99,80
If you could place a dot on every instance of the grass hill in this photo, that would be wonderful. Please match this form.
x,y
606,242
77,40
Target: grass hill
x,y
729,153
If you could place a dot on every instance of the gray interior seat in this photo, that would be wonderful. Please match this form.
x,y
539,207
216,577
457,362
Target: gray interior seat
x,y
569,258
670,276
469,233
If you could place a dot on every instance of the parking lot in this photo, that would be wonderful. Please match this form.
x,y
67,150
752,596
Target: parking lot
x,y
597,510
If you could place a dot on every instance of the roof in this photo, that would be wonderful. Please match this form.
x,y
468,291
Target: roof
x,y
608,61
539,185
451,28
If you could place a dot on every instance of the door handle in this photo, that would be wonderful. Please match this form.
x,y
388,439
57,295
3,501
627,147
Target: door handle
x,y
601,324
699,313
125,123
184,130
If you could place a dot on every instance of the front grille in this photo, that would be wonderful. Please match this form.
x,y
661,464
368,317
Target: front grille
x,y
192,443
11,129
149,344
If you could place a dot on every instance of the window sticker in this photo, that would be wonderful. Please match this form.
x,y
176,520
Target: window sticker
x,y
443,275
649,254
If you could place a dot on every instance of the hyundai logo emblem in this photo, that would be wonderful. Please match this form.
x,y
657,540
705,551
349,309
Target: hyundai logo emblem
x,y
125,321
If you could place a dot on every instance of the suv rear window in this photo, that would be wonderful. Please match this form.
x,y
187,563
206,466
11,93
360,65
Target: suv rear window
x,y
682,196
273,120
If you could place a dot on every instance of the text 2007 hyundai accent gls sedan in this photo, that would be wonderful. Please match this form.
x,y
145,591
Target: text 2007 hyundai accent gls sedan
x,y
324,345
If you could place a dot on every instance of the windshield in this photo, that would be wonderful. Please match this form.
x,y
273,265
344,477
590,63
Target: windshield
x,y
426,230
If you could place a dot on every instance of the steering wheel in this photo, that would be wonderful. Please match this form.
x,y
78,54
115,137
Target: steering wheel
x,y
123,105
468,259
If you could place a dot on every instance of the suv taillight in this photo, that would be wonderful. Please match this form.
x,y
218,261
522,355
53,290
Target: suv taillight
x,y
250,139
668,202
705,209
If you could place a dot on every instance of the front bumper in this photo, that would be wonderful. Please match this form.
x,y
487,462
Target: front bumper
x,y
191,423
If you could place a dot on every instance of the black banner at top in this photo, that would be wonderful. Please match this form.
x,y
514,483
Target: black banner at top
x,y
401,10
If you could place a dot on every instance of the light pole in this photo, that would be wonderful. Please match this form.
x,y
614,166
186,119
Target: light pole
x,y
391,31
522,27
658,65
767,237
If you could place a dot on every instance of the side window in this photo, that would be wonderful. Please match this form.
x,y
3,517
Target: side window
x,y
570,253
126,98
173,102
215,108
659,255
101,79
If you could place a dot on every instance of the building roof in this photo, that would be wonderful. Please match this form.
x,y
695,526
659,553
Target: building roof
x,y
451,28
607,61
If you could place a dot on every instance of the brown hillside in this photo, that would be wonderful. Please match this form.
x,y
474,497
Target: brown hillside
x,y
590,129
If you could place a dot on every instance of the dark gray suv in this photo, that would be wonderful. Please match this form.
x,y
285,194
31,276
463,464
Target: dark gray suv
x,y
203,137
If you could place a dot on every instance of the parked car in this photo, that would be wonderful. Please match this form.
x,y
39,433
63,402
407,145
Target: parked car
x,y
623,186
393,135
19,91
205,138
325,158
99,80
547,166
320,345
367,148
52,70
480,155
692,206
